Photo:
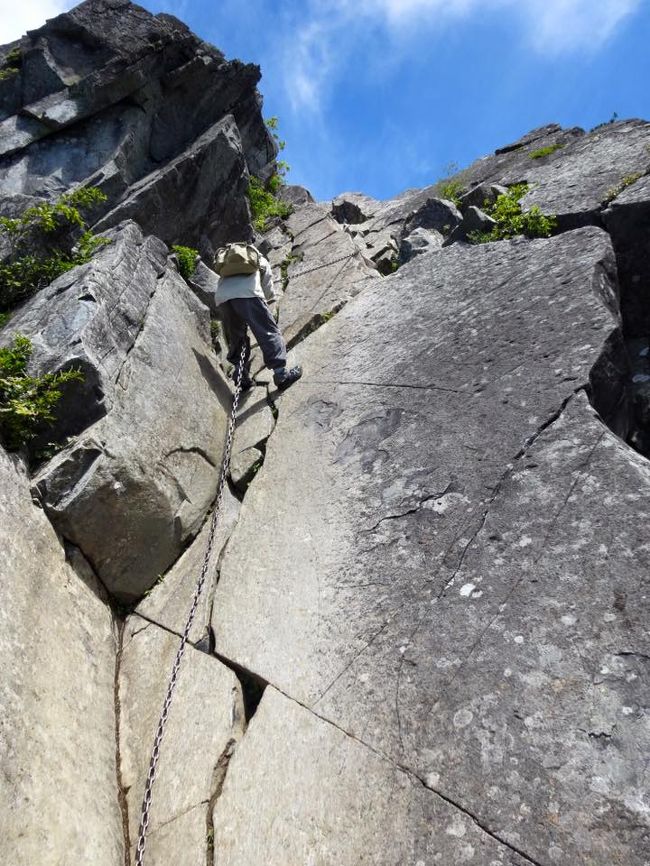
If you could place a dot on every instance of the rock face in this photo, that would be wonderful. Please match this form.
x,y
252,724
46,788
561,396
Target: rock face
x,y
147,460
111,96
324,267
57,738
206,724
574,181
348,804
380,229
423,538
422,637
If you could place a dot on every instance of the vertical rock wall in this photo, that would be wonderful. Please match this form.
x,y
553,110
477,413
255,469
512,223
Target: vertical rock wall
x,y
422,638
57,692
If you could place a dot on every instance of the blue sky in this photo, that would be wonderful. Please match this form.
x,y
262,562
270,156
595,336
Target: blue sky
x,y
382,95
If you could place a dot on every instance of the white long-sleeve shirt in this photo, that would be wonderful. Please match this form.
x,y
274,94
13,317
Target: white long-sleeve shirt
x,y
258,284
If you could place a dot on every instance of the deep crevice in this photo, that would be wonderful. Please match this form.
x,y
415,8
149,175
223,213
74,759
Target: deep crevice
x,y
314,323
621,377
252,685
122,791
218,779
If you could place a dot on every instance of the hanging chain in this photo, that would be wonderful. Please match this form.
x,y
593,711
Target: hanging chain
x,y
155,753
318,267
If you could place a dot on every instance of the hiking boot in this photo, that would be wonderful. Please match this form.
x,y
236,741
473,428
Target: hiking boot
x,y
283,377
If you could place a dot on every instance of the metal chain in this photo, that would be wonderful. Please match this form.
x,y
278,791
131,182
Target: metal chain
x,y
155,754
318,267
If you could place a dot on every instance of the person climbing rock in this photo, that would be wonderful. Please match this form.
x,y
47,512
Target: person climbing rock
x,y
243,297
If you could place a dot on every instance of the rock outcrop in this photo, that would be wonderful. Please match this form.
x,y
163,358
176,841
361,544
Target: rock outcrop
x,y
150,417
422,637
111,96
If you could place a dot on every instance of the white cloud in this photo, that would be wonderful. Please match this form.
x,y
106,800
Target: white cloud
x,y
564,25
19,16
308,61
550,24
550,27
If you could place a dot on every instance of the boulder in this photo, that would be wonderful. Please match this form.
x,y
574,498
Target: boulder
x,y
354,208
460,580
206,184
434,213
57,738
244,467
149,417
419,241
381,227
295,195
386,259
481,195
380,247
474,220
204,283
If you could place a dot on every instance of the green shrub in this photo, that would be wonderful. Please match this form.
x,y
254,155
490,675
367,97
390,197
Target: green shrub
x,y
45,241
26,402
282,167
187,258
264,204
545,151
4,318
448,187
512,221
284,268
451,190
628,180
12,63
263,196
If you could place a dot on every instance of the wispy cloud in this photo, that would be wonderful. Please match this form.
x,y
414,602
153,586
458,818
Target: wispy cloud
x,y
330,30
551,24
565,25
16,18
308,62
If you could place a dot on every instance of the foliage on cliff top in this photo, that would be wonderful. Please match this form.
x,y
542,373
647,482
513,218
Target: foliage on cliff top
x,y
512,221
44,242
12,63
545,151
26,402
264,204
262,196
449,187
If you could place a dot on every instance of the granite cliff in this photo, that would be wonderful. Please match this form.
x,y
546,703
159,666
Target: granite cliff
x,y
424,639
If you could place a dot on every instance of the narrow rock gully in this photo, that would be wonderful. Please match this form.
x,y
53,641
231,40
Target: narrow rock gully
x,y
256,419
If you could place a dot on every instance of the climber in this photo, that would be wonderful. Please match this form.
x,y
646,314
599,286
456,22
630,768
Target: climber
x,y
243,295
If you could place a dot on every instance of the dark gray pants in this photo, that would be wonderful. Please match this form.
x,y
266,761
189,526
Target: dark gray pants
x,y
254,313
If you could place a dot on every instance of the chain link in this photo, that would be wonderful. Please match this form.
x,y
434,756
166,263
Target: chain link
x,y
318,267
162,722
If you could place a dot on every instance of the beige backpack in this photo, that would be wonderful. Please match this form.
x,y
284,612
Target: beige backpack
x,y
236,259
